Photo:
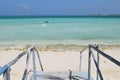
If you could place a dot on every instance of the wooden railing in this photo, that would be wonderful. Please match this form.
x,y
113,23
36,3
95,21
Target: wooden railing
x,y
96,62
31,50
5,70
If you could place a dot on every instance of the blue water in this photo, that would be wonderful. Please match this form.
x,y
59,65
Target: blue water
x,y
60,30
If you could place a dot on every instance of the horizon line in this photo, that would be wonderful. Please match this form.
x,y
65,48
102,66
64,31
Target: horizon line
x,y
37,16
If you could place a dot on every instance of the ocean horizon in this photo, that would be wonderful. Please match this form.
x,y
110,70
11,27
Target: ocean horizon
x,y
60,30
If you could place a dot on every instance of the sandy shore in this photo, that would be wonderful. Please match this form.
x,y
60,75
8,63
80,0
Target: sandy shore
x,y
61,58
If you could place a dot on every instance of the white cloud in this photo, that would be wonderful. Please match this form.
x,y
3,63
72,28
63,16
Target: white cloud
x,y
25,6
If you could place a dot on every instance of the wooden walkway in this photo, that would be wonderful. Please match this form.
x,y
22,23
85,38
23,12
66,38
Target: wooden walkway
x,y
76,75
41,75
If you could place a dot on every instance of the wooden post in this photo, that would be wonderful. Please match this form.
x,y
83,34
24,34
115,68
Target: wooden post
x,y
97,77
34,64
80,65
80,62
39,61
70,75
6,75
25,75
89,63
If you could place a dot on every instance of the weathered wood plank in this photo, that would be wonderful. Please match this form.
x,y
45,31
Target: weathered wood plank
x,y
59,75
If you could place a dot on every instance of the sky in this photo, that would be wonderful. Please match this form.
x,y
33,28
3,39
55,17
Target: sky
x,y
59,7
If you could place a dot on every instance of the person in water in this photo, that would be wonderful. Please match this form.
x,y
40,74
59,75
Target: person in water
x,y
46,22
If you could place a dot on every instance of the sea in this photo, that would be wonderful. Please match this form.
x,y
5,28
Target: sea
x,y
60,30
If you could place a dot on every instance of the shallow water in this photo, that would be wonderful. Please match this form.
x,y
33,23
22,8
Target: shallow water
x,y
60,30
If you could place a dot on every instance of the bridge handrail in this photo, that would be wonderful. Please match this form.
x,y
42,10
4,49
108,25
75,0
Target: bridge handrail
x,y
105,55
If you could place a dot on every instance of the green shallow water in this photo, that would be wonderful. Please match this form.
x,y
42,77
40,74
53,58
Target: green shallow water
x,y
69,30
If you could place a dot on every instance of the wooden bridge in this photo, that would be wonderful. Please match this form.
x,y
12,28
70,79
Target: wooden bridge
x,y
70,75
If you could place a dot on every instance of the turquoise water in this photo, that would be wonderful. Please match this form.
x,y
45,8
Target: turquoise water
x,y
59,30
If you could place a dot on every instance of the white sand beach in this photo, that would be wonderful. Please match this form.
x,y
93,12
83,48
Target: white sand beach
x,y
61,61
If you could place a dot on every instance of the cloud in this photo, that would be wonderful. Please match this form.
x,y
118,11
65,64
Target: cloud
x,y
25,6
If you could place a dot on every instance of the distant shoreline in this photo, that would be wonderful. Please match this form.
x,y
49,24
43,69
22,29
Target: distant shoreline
x,y
58,16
